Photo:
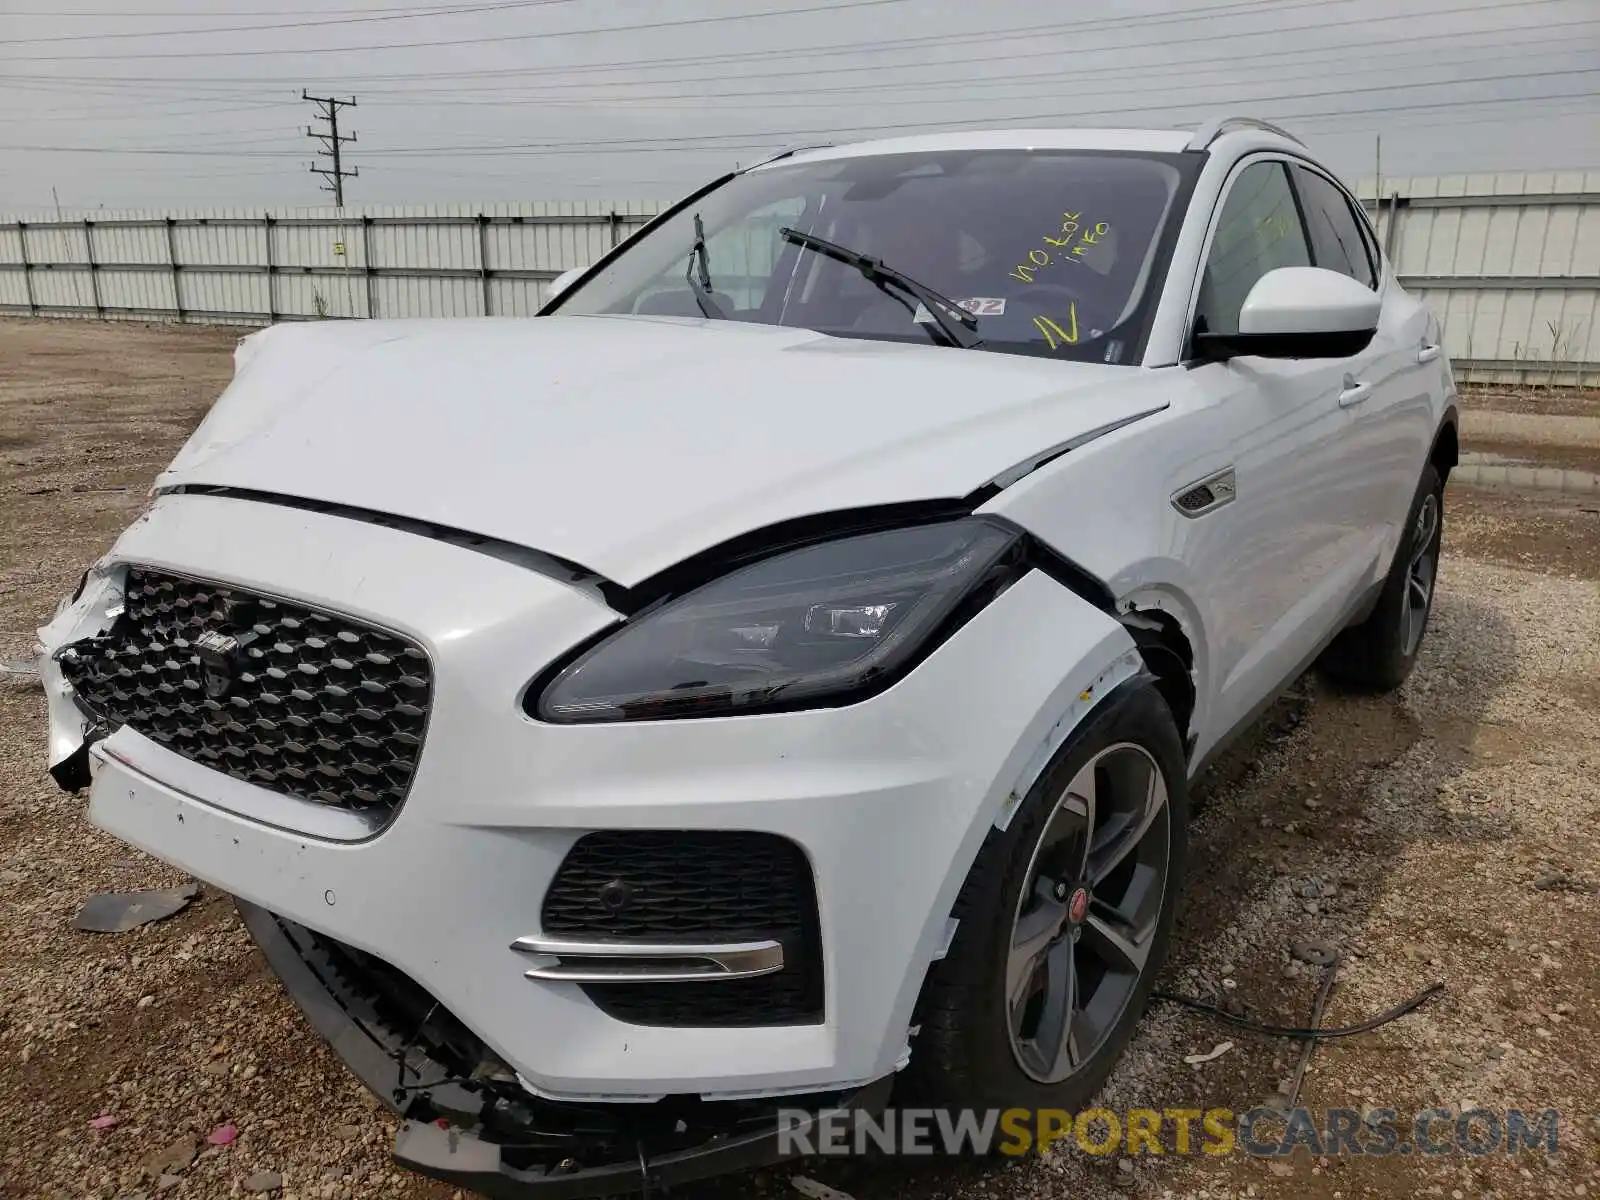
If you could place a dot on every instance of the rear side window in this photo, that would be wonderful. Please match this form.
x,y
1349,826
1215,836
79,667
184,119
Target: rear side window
x,y
1257,231
1336,241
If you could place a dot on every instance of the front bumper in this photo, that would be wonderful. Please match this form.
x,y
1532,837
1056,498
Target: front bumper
x,y
468,1135
888,799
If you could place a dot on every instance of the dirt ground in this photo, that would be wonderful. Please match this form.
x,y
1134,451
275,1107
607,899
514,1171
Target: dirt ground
x,y
1448,833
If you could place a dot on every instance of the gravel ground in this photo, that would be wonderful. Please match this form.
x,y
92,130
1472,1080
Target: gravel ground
x,y
1447,833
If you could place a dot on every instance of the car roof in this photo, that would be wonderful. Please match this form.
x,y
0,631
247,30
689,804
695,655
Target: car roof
x,y
1153,141
1162,141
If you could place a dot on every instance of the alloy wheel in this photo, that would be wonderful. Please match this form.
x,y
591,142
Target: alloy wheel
x,y
1088,912
1420,573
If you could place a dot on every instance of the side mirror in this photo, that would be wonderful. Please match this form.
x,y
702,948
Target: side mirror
x,y
562,282
1299,312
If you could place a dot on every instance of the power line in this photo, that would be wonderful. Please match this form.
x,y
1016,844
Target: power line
x,y
811,98
361,20
545,93
1119,111
120,112
476,41
808,98
328,111
922,42
1473,119
254,12
768,138
692,180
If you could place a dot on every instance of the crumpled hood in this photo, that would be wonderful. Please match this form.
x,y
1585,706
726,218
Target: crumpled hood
x,y
627,444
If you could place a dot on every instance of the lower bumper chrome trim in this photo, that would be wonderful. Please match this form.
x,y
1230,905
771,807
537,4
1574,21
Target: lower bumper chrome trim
x,y
639,962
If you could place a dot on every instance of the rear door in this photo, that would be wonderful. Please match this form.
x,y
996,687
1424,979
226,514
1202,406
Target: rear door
x,y
1387,397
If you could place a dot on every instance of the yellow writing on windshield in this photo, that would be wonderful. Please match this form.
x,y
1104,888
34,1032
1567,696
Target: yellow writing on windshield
x,y
1076,237
1053,334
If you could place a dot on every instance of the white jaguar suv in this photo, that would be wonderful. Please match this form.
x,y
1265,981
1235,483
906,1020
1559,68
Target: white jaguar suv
x,y
774,674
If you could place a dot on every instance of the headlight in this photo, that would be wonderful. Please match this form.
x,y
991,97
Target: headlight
x,y
826,624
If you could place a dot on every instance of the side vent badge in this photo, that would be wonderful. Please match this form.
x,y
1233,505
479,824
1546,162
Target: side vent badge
x,y
1206,495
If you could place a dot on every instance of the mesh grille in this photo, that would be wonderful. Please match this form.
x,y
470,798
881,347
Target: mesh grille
x,y
695,886
789,997
692,886
303,702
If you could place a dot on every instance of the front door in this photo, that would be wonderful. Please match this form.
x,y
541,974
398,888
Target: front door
x,y
1284,555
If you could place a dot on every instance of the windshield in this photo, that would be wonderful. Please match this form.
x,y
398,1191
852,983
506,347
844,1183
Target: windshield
x,y
1054,253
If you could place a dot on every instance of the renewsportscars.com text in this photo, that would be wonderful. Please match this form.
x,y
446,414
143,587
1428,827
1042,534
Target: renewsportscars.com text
x,y
1261,1132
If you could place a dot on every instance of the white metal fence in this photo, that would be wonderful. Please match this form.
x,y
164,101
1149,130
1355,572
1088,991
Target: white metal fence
x,y
1509,263
232,266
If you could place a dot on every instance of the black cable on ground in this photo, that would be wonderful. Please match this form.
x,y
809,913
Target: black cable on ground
x,y
1308,1047
1313,1033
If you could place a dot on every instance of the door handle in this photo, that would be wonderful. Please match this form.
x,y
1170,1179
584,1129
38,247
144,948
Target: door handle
x,y
1428,353
1354,393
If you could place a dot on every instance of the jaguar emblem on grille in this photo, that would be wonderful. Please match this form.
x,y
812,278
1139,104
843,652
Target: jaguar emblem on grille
x,y
217,652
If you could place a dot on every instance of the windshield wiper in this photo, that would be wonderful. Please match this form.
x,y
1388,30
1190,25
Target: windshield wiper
x,y
956,324
698,273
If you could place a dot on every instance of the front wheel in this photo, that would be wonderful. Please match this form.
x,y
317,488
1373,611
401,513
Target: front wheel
x,y
1064,921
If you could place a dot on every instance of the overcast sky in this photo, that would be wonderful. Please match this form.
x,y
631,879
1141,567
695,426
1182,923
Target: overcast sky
x,y
197,102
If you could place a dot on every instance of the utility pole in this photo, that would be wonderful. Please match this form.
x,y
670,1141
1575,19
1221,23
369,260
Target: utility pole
x,y
1377,182
328,111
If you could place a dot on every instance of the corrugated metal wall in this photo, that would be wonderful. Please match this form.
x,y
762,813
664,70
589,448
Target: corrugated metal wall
x,y
1510,263
237,266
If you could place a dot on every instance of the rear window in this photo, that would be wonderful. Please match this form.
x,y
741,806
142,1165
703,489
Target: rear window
x,y
1054,253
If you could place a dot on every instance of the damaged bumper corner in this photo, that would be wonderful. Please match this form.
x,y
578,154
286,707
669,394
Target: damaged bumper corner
x,y
89,611
467,1122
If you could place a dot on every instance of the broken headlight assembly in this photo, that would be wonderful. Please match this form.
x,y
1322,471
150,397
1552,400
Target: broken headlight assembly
x,y
823,625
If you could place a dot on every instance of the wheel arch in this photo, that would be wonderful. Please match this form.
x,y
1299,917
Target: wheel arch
x,y
1169,658
1121,672
1445,453
950,1049
1166,628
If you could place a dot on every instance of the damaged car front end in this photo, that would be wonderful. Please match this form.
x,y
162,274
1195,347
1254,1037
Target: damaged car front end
x,y
597,719
577,958
467,1117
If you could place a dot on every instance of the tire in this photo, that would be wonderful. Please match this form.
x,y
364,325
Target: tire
x,y
1378,654
973,1047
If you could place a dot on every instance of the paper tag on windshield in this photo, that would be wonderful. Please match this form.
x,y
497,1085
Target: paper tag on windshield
x,y
980,306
